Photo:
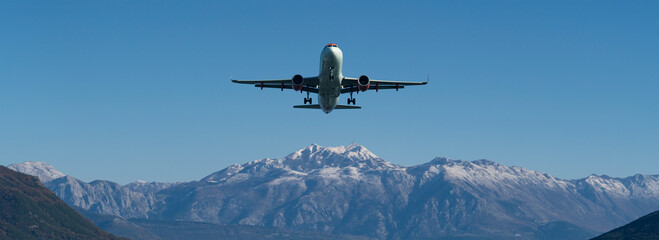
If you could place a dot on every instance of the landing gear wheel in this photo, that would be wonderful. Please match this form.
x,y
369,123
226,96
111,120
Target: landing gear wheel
x,y
307,99
351,99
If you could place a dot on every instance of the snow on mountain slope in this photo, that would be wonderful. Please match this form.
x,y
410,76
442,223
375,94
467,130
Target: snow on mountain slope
x,y
642,186
306,160
44,171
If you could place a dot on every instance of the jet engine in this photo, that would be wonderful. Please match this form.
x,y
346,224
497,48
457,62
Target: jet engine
x,y
297,82
363,83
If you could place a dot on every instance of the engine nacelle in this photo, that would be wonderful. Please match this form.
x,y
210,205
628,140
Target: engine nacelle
x,y
297,82
363,83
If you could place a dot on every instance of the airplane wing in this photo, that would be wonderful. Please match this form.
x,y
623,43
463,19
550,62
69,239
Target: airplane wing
x,y
286,86
311,81
271,81
350,84
310,84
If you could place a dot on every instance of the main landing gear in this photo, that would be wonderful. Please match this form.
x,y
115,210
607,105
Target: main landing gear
x,y
307,99
351,99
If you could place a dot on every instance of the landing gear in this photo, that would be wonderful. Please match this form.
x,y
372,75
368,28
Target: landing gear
x,y
307,99
351,99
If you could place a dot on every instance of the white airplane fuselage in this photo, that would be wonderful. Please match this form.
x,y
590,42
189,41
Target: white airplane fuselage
x,y
329,78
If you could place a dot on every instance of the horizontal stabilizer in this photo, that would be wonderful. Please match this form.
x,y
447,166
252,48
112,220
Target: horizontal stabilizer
x,y
312,106
316,106
347,107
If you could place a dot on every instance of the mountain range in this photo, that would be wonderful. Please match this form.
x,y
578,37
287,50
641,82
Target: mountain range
x,y
28,210
350,191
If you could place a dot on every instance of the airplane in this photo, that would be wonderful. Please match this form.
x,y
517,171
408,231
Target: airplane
x,y
330,83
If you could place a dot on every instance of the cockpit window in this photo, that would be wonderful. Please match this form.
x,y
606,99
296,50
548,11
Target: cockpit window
x,y
332,45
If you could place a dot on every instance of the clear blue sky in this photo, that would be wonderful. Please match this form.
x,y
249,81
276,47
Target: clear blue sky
x,y
127,90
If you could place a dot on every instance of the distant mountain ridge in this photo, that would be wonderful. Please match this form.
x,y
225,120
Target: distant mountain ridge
x,y
349,190
30,211
133,200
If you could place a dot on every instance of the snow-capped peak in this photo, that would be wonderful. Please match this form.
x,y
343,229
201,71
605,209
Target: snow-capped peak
x,y
352,150
306,160
44,171
316,157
